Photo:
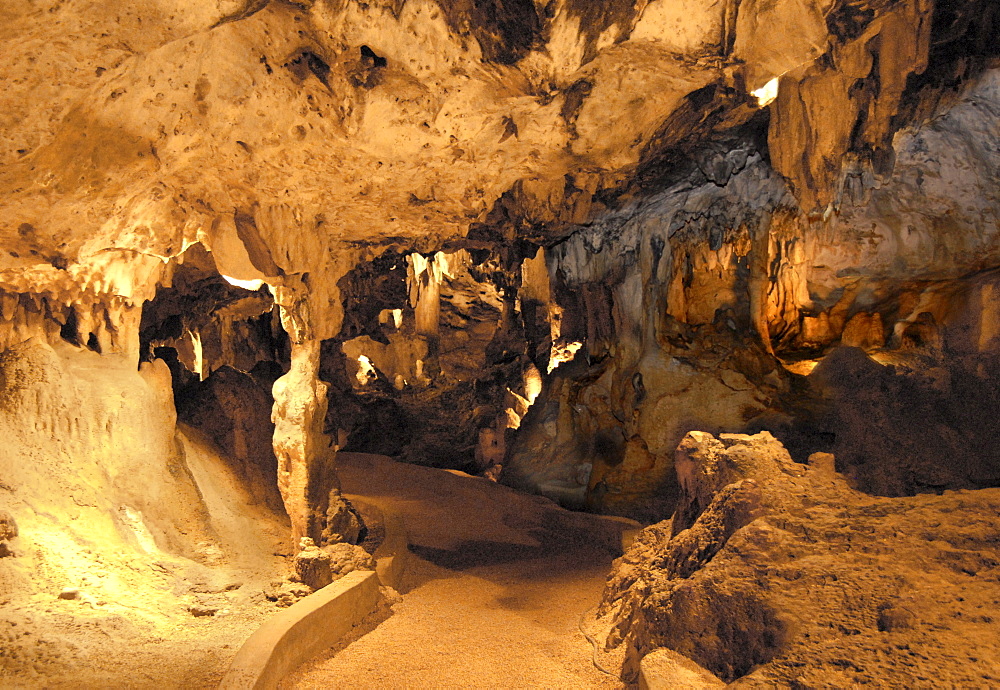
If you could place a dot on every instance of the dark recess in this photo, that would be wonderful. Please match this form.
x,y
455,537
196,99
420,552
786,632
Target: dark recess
x,y
367,72
306,62
597,17
505,29
964,43
369,55
368,289
68,331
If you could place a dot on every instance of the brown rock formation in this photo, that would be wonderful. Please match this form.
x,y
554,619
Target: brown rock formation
x,y
773,572
307,484
443,127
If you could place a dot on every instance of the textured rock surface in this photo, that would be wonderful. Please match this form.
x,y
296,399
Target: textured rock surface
x,y
143,520
318,567
8,531
306,478
774,572
676,294
664,668
235,412
302,142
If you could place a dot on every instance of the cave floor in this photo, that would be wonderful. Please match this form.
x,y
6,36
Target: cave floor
x,y
140,618
496,586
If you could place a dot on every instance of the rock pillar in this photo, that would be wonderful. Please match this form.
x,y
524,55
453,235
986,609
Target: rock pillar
x,y
425,293
307,479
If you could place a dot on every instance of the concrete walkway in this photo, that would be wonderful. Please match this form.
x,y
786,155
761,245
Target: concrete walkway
x,y
497,586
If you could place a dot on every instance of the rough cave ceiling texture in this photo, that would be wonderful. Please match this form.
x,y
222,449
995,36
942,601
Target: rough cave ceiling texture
x,y
317,131
711,183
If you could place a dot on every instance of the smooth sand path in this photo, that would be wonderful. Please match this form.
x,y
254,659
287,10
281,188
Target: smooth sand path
x,y
497,585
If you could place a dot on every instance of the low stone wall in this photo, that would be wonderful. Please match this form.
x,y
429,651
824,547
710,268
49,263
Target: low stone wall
x,y
321,619
392,554
302,631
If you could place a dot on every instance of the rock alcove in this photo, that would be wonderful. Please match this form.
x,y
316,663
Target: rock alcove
x,y
727,268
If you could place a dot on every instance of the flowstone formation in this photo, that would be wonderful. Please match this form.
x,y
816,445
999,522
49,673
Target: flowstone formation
x,y
535,241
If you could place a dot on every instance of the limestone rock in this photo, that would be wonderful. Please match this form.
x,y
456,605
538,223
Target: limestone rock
x,y
312,565
785,566
665,669
307,479
317,567
863,330
8,531
346,558
284,594
937,439
610,437
233,410
554,240
202,611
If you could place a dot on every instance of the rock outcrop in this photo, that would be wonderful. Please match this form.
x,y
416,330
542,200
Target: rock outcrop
x,y
776,572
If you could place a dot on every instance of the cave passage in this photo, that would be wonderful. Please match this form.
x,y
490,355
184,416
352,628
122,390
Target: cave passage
x,y
497,587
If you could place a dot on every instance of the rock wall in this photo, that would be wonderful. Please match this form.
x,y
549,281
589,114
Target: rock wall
x,y
695,305
448,200
102,485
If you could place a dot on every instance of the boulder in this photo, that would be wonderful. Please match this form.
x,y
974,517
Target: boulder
x,y
777,573
317,567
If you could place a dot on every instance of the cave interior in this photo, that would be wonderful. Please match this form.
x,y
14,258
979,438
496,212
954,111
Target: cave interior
x,y
717,278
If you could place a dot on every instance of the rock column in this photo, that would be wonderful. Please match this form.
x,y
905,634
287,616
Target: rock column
x,y
298,414
307,477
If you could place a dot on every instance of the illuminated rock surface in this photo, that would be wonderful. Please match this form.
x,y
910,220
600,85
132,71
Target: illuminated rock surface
x,y
161,539
777,573
537,242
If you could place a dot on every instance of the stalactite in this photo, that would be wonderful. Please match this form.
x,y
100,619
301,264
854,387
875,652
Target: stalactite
x,y
424,284
760,280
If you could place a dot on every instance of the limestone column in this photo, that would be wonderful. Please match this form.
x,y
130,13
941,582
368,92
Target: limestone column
x,y
298,414
307,477
425,293
760,280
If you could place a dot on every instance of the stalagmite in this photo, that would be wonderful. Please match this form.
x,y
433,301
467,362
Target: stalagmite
x,y
299,410
759,281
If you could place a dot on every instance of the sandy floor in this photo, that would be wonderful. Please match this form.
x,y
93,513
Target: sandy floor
x,y
497,586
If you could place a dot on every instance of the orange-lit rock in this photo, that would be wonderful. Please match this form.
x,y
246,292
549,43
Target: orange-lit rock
x,y
771,569
308,486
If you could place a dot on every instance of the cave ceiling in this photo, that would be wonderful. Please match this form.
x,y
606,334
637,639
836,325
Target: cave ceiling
x,y
298,138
